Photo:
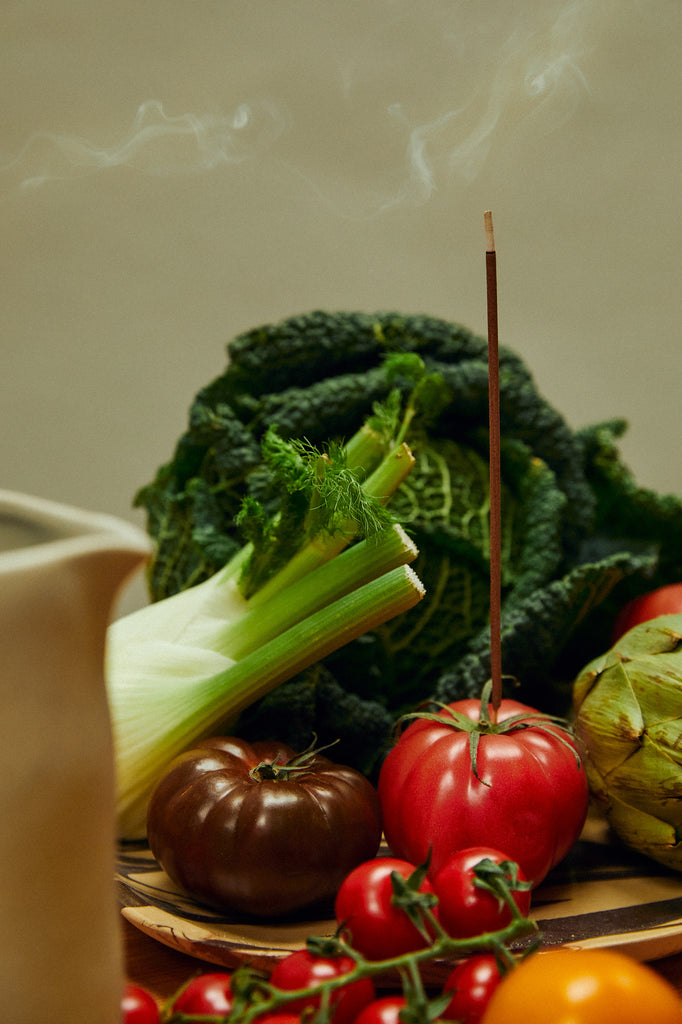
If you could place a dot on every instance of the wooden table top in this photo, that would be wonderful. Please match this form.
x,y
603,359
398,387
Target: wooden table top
x,y
162,970
156,967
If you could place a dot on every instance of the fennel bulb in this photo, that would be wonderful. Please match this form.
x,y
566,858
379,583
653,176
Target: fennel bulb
x,y
186,666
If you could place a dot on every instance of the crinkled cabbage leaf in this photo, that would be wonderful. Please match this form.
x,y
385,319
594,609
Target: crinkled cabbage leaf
x,y
580,537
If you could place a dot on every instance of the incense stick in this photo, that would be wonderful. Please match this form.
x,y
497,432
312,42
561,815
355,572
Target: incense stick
x,y
495,469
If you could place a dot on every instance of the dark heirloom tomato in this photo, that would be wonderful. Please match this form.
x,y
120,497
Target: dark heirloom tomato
x,y
254,829
528,797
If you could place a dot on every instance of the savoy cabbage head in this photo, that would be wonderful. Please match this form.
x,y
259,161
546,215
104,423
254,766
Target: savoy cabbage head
x,y
579,536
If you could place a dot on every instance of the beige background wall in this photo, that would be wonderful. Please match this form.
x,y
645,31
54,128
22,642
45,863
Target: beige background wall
x,y
172,173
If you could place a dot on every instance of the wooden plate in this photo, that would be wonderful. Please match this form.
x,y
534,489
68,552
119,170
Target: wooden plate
x,y
601,895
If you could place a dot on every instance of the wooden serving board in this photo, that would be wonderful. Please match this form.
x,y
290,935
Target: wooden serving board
x,y
601,895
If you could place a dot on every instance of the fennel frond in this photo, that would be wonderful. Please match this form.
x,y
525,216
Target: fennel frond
x,y
188,665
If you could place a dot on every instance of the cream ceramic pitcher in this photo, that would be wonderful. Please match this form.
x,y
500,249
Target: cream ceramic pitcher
x,y
60,952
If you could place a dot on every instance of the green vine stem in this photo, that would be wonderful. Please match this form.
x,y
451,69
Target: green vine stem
x,y
254,996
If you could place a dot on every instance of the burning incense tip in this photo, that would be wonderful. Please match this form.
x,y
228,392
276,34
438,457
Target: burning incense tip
x,y
489,233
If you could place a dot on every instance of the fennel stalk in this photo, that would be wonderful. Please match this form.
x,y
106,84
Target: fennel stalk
x,y
183,668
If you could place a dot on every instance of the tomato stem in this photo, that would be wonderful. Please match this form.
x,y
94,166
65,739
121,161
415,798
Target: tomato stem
x,y
269,770
255,996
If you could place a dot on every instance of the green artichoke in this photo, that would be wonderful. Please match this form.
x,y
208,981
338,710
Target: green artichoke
x,y
628,707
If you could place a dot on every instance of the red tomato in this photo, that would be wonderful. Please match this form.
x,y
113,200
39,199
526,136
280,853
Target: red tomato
x,y
583,986
208,993
530,798
138,1006
464,908
383,1011
664,601
472,983
304,969
278,1017
378,928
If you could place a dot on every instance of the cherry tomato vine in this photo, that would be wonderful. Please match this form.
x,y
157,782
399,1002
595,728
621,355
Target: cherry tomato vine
x,y
255,999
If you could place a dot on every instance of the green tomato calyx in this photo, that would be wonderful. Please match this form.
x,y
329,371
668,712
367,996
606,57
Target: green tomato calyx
x,y
276,771
489,724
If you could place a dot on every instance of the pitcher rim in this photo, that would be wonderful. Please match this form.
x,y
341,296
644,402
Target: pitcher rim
x,y
88,530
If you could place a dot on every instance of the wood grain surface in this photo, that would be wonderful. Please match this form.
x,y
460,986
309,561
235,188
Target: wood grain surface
x,y
602,894
162,970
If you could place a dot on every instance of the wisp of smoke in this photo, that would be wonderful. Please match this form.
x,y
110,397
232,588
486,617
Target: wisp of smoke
x,y
157,144
532,85
510,74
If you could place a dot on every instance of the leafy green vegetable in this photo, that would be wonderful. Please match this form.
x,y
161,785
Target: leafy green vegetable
x,y
301,585
579,534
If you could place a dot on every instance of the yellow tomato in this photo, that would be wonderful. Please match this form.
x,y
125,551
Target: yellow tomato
x,y
565,986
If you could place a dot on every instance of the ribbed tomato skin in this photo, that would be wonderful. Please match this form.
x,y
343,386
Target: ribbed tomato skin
x,y
260,846
529,797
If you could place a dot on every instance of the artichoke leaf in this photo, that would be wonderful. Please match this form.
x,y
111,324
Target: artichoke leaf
x,y
646,833
652,781
628,718
662,635
666,735
657,686
610,723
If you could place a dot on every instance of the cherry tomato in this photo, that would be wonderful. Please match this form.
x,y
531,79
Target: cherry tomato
x,y
364,906
138,1006
208,993
472,983
529,796
279,1017
664,601
383,1011
251,829
464,908
583,986
304,969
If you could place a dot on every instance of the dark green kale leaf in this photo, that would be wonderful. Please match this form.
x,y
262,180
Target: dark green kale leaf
x,y
580,536
316,704
536,631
